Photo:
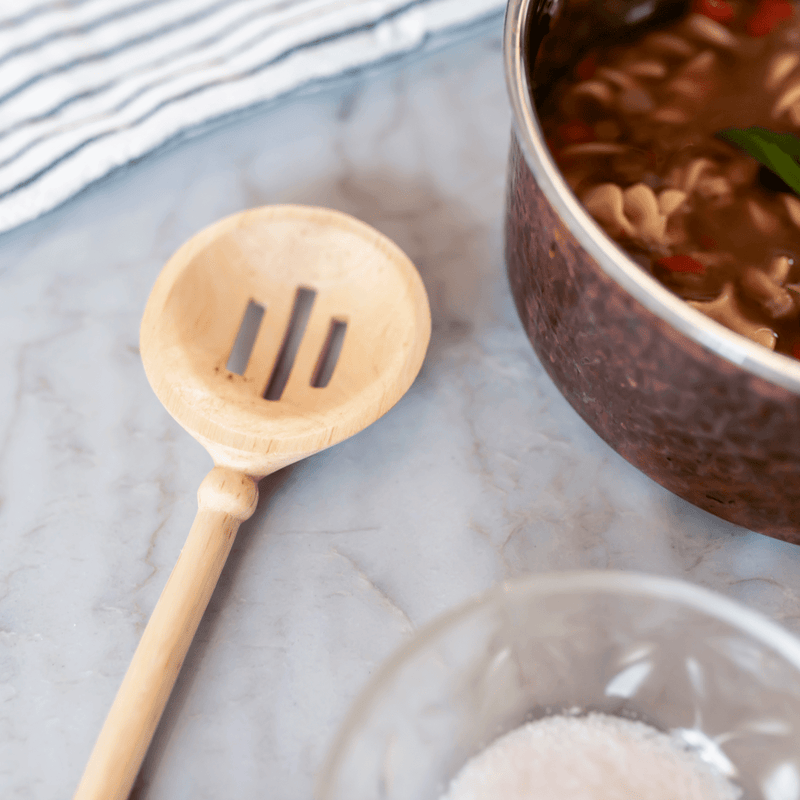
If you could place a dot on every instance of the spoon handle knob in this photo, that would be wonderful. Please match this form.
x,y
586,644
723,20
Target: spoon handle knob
x,y
225,499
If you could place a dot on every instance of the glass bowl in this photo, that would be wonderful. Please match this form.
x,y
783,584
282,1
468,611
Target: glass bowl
x,y
723,678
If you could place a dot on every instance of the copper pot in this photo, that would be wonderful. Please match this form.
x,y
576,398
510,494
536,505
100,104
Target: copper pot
x,y
705,412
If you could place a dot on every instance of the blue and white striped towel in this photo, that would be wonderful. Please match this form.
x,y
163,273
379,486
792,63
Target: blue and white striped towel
x,y
89,85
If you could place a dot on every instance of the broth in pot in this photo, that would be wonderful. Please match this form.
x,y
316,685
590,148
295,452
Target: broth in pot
x,y
638,130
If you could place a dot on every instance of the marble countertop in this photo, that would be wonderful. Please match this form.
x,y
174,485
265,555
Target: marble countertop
x,y
481,472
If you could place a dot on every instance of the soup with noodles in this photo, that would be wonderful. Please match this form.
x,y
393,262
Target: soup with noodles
x,y
634,129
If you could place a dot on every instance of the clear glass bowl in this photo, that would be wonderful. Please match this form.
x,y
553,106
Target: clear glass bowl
x,y
682,658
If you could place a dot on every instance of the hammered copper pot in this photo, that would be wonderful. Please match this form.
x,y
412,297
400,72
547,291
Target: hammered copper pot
x,y
708,414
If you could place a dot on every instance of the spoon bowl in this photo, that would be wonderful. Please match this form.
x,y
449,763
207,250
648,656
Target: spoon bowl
x,y
269,336
360,279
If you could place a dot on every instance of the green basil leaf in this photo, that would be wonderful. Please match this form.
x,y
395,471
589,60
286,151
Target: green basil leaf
x,y
776,151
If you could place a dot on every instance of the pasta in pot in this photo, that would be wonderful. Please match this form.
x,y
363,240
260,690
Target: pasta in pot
x,y
633,129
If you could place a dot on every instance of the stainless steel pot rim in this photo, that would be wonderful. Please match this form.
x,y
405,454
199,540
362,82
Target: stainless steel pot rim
x,y
760,361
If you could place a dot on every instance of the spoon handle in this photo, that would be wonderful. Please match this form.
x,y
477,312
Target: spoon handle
x,y
225,499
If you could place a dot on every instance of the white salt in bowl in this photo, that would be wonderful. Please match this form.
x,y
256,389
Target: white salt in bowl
x,y
720,677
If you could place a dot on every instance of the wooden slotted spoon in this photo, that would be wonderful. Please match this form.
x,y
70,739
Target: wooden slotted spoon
x,y
274,257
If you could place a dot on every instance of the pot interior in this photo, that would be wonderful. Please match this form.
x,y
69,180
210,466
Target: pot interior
x,y
544,39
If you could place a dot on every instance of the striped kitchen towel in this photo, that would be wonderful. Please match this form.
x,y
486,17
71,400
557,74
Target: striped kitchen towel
x,y
90,85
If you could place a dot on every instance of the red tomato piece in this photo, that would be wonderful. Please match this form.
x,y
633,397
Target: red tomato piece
x,y
576,131
681,263
781,10
767,15
586,67
760,24
718,10
796,350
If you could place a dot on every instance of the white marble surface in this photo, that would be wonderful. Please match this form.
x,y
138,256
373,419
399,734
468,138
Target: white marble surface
x,y
482,471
